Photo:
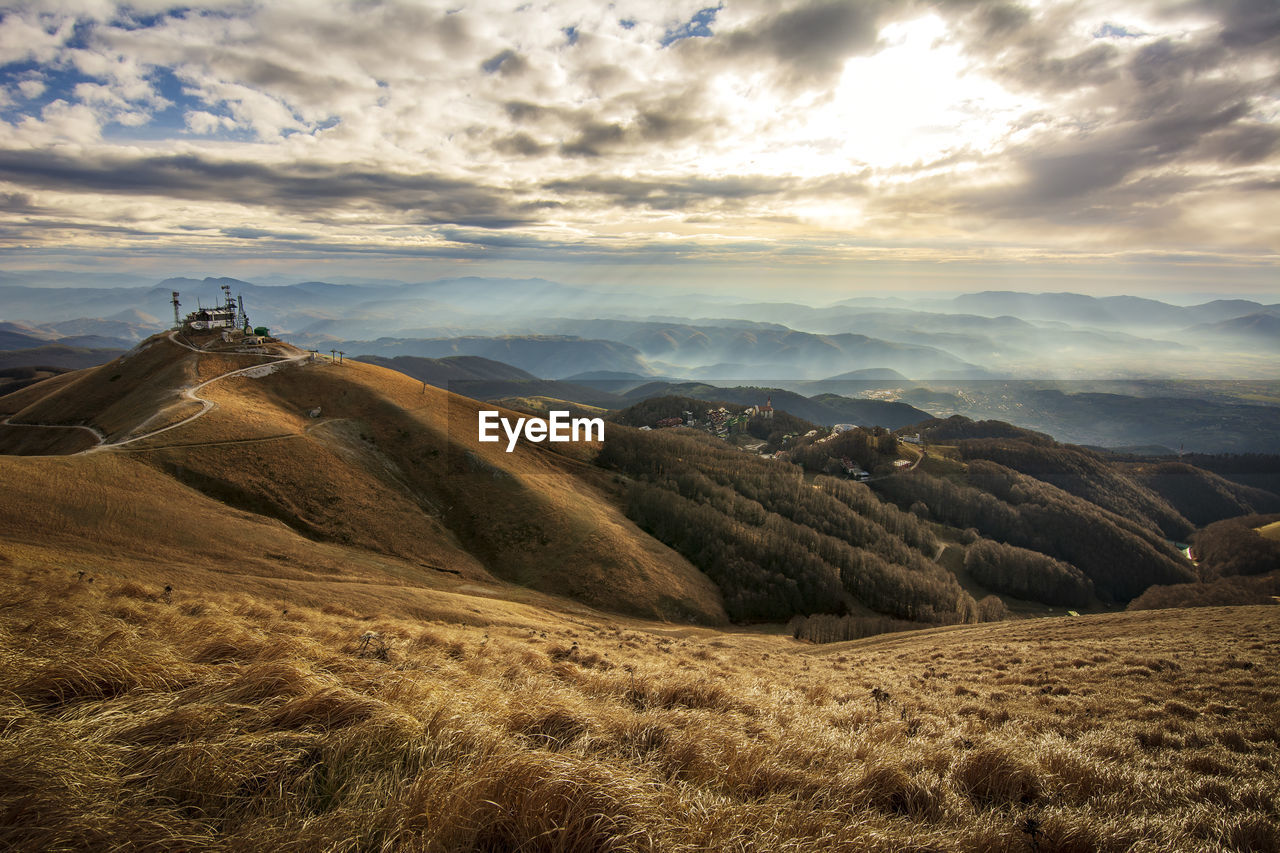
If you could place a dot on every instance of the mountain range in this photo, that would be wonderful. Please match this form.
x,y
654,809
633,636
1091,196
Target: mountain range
x,y
931,353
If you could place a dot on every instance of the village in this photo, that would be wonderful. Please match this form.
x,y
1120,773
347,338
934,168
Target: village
x,y
732,427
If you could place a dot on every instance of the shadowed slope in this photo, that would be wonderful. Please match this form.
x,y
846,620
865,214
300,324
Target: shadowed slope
x,y
388,469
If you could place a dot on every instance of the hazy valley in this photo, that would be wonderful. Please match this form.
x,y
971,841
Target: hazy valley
x,y
1113,371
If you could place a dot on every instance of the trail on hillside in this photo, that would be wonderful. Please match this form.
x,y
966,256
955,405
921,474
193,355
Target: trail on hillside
x,y
191,393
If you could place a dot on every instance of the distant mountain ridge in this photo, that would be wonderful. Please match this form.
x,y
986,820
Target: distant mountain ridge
x,y
1261,329
827,409
549,356
1106,310
712,338
485,379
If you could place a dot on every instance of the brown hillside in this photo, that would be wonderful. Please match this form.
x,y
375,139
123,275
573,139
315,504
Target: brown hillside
x,y
232,722
390,470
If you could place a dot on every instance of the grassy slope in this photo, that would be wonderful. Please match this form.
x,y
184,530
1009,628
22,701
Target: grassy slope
x,y
231,721
390,470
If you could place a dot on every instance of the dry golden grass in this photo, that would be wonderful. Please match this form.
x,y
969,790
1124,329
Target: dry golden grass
x,y
391,469
235,721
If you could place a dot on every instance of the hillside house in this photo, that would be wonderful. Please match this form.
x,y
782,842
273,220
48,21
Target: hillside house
x,y
205,319
853,470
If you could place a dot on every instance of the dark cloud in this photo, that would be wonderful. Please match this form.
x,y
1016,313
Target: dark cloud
x,y
524,111
1094,171
1243,144
644,119
18,203
674,194
521,144
1001,21
1144,120
1024,51
1246,24
805,45
594,138
1166,64
696,194
262,234
501,240
300,188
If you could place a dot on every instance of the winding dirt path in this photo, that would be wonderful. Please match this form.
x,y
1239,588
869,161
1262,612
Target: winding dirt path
x,y
189,393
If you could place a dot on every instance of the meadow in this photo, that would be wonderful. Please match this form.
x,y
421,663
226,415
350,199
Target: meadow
x,y
136,718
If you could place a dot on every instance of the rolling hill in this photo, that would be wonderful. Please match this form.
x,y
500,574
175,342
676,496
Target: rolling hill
x,y
485,379
390,475
205,719
57,355
825,409
1260,330
550,356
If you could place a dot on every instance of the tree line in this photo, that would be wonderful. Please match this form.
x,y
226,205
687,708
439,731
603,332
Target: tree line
x,y
775,544
1084,474
1119,555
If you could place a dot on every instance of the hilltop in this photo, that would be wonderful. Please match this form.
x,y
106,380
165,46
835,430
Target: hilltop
x,y
389,477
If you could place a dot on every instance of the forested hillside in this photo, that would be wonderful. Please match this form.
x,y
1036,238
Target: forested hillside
x,y
1084,474
1033,519
1122,557
1202,497
776,544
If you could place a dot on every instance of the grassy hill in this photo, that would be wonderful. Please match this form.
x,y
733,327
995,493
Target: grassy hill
x,y
390,473
213,720
56,355
826,409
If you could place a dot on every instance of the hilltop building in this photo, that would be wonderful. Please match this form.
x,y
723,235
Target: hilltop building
x,y
229,315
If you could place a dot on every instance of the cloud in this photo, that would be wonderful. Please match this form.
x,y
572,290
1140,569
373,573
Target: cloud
x,y
580,128
806,44
298,188
689,193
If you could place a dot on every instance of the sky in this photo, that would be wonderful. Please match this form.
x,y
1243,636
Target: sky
x,y
865,146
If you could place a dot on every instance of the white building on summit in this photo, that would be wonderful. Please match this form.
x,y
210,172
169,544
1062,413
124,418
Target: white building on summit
x,y
212,318
229,315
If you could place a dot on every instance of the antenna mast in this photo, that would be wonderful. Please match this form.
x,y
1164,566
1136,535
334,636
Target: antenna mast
x,y
177,319
242,319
